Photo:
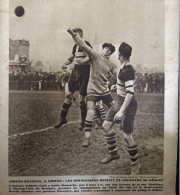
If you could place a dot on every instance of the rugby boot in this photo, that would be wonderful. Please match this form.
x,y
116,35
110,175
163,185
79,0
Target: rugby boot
x,y
110,158
81,126
96,125
61,122
86,142
135,168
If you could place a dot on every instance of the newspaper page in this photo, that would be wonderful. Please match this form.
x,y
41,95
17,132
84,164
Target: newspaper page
x,y
65,132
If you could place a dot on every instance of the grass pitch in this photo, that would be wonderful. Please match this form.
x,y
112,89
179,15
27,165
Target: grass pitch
x,y
37,149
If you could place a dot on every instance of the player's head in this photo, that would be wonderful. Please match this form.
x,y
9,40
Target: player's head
x,y
125,51
79,31
108,49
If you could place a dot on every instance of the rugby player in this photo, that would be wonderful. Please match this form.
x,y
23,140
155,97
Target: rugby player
x,y
78,81
98,87
123,110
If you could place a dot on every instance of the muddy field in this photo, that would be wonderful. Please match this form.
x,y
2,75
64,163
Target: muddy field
x,y
37,149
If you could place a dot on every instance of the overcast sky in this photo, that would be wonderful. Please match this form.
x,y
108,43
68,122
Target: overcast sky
x,y
137,22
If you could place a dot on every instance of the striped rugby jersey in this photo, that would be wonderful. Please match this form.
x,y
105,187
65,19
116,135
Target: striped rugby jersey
x,y
125,79
77,52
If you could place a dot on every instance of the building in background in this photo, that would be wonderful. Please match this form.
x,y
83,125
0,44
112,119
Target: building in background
x,y
19,56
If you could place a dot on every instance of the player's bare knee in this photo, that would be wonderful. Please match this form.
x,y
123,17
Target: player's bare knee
x,y
67,101
68,98
129,139
99,105
107,126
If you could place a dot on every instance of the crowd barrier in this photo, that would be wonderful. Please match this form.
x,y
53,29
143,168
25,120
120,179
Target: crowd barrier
x,y
55,85
35,85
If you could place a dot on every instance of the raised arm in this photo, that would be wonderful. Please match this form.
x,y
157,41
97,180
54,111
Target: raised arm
x,y
81,61
81,43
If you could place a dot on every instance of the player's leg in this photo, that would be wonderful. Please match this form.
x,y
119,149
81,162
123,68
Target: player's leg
x,y
83,108
97,118
101,109
107,100
74,99
99,114
64,110
110,135
69,92
83,82
132,148
88,122
102,112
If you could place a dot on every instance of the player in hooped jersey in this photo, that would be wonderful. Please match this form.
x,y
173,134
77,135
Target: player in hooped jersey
x,y
78,81
98,87
123,110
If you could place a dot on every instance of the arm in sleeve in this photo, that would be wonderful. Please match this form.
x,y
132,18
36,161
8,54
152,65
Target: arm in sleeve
x,y
81,61
84,46
128,77
71,58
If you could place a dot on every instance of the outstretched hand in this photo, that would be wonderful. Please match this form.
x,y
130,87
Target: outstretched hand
x,y
70,31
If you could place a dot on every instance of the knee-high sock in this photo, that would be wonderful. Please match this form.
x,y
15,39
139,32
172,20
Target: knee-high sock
x,y
111,142
83,111
96,114
133,153
89,120
102,113
64,110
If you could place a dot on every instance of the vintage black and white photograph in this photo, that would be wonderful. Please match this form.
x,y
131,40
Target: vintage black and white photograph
x,y
86,87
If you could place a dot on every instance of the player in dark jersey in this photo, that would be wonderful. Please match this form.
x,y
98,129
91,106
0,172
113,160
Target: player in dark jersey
x,y
78,81
123,110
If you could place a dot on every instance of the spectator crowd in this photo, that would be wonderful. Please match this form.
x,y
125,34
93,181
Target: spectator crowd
x,y
149,83
145,83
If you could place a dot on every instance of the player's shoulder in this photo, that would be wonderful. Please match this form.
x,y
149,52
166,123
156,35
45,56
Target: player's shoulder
x,y
129,69
127,73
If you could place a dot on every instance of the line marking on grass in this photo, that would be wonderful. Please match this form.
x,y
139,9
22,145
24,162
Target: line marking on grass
x,y
41,130
71,122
